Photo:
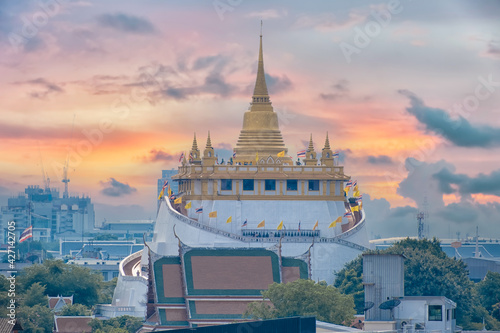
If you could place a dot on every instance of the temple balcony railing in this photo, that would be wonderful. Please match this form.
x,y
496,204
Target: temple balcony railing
x,y
251,239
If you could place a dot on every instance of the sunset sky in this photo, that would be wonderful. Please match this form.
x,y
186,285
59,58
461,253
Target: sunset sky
x,y
409,92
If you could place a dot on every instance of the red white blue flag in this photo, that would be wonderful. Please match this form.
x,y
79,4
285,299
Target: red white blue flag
x,y
301,153
27,233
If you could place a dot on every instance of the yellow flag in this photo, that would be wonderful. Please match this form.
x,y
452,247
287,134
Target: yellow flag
x,y
188,205
169,192
360,205
356,194
334,223
281,154
280,226
161,194
230,219
355,209
261,224
356,188
178,200
315,226
212,214
257,157
346,190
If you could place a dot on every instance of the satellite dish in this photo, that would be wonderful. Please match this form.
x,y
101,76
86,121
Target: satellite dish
x,y
368,305
390,304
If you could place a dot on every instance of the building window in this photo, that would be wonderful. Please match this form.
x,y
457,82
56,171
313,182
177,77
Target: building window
x,y
314,185
115,274
448,315
270,185
291,185
226,184
435,313
248,184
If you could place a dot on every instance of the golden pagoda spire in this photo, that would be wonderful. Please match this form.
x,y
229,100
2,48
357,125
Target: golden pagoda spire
x,y
208,158
327,142
310,153
327,153
209,142
260,90
311,147
194,154
260,134
195,144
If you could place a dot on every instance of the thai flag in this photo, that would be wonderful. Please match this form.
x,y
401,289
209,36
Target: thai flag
x,y
27,233
336,154
234,154
355,183
301,153
245,224
199,210
348,214
348,184
182,156
165,184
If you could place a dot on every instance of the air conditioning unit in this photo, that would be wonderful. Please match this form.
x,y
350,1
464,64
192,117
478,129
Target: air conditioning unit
x,y
405,325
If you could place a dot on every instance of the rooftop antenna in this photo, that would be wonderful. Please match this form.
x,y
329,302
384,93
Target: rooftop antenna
x,y
477,253
421,216
65,179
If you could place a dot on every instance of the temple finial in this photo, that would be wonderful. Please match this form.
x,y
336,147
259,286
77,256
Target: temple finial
x,y
209,142
260,28
260,94
327,142
311,147
195,144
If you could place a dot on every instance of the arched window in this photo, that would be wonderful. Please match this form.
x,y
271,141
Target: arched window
x,y
327,155
209,154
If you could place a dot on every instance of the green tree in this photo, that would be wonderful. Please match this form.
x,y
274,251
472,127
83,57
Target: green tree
x,y
122,324
36,319
63,279
489,293
349,281
304,298
4,296
35,295
75,310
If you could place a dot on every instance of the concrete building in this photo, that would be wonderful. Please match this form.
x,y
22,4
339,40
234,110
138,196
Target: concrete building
x,y
388,309
50,215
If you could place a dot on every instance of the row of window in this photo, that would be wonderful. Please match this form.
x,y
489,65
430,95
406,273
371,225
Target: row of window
x,y
269,185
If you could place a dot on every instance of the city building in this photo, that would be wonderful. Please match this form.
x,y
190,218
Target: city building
x,y
237,227
50,215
